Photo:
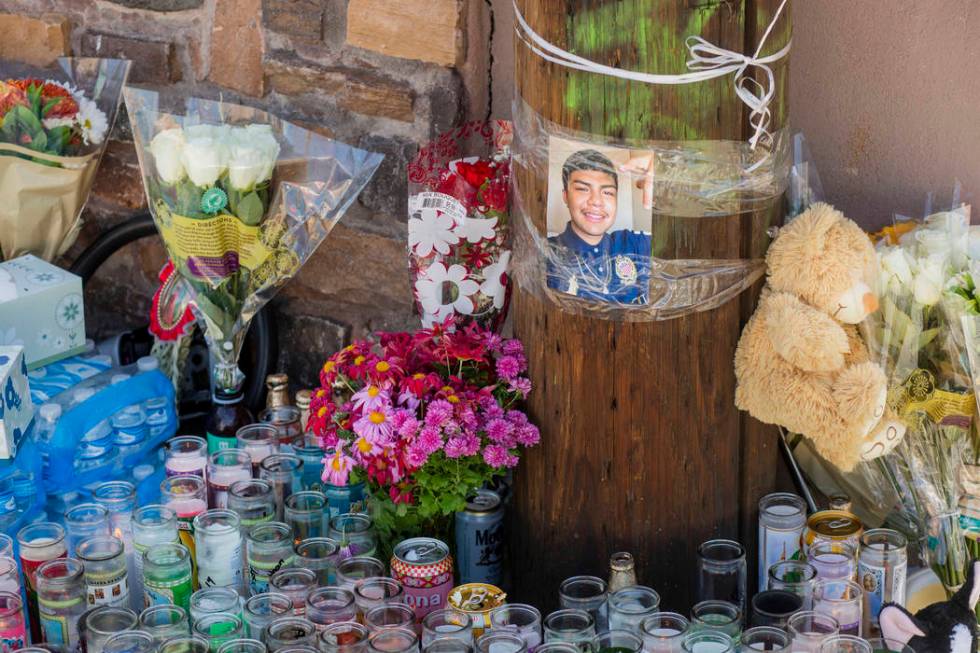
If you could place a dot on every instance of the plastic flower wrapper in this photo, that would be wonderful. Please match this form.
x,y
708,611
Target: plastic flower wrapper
x,y
459,225
913,336
242,199
53,130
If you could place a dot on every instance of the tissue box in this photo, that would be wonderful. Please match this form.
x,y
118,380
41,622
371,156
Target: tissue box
x,y
41,310
16,408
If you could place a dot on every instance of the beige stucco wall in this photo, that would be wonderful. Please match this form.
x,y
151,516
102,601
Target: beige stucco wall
x,y
887,93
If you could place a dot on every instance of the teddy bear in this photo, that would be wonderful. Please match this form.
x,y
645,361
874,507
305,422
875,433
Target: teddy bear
x,y
801,362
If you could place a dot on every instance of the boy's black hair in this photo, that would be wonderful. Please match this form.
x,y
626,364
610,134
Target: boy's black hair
x,y
588,160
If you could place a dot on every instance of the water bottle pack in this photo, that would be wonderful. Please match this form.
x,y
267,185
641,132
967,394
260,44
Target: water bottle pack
x,y
104,426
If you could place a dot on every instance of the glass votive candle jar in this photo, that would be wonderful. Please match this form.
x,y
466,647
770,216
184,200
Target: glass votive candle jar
x,y
707,641
447,622
327,605
214,600
13,626
354,534
618,641
288,422
319,555
663,632
106,573
845,644
83,521
187,497
218,628
61,600
394,640
796,576
186,455
9,575
774,607
843,600
351,570
882,645
184,644
283,632
39,543
391,615
344,637
153,524
629,606
259,441
165,621
305,513
765,638
131,641
501,642
269,548
719,616
261,609
225,468
252,500
296,583
243,645
6,545
218,545
808,630
167,576
722,573
585,593
284,472
558,647
103,622
519,618
833,560
450,645
372,592
571,626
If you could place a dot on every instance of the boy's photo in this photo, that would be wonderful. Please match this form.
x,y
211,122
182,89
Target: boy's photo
x,y
598,228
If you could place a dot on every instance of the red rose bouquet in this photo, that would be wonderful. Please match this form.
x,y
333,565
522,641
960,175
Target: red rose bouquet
x,y
458,227
425,418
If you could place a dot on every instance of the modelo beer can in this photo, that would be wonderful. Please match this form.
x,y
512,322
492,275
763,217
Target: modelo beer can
x,y
832,526
882,566
425,569
479,539
782,518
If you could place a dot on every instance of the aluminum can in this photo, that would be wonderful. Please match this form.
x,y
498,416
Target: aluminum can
x,y
480,539
832,526
425,568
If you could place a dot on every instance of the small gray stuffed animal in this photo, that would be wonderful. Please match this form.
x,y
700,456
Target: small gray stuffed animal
x,y
945,627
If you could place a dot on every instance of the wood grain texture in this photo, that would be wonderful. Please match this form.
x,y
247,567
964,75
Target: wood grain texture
x,y
642,448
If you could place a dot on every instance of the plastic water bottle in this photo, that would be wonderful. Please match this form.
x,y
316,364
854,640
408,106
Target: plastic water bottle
x,y
129,429
96,448
48,414
154,407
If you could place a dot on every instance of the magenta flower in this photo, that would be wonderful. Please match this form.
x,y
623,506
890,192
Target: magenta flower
x,y
521,385
438,412
409,428
528,435
455,448
497,456
430,440
512,347
499,431
416,456
337,467
371,397
508,368
470,444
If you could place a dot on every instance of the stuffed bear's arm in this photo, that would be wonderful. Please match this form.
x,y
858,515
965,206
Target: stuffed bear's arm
x,y
802,335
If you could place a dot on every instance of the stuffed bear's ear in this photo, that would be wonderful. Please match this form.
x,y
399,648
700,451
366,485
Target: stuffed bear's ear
x,y
898,624
802,240
970,592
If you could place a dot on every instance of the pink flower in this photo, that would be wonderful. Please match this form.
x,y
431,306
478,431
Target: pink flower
x,y
375,425
512,347
499,431
497,456
370,397
416,455
337,467
408,428
438,412
493,342
364,447
471,444
508,367
430,440
528,435
455,448
521,385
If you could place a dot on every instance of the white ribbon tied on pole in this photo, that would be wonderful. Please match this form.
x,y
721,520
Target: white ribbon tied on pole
x,y
707,61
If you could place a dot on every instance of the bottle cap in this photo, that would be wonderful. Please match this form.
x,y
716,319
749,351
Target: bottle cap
x,y
303,398
50,412
148,364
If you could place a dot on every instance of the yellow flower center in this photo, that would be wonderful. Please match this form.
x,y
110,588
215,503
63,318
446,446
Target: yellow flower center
x,y
321,393
363,445
382,366
335,463
453,399
372,391
418,376
446,388
376,417
322,411
328,366
358,360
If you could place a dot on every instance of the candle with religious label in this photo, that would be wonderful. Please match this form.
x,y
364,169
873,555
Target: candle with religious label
x,y
13,629
39,543
167,575
225,468
185,495
119,498
218,538
106,572
61,601
269,548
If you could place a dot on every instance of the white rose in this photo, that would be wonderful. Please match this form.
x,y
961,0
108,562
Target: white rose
x,y
246,167
895,263
928,284
167,148
204,157
262,137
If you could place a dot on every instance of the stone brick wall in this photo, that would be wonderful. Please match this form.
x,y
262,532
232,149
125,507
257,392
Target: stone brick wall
x,y
386,75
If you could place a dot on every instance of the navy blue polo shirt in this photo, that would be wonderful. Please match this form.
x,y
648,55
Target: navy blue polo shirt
x,y
616,269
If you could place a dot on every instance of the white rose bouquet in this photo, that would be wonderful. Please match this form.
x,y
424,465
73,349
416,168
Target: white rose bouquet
x,y
242,200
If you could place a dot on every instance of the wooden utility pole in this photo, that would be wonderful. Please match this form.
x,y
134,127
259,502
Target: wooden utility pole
x,y
642,447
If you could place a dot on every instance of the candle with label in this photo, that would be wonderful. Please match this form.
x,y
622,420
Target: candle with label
x,y
218,538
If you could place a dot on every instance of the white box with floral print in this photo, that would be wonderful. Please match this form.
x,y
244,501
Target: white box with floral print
x,y
41,310
16,408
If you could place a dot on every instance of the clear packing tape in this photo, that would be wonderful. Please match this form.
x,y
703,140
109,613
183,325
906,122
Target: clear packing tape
x,y
700,191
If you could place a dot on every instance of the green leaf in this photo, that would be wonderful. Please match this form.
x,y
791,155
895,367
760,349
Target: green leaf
x,y
250,209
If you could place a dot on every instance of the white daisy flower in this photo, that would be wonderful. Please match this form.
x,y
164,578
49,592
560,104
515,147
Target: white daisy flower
x,y
92,121
430,231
